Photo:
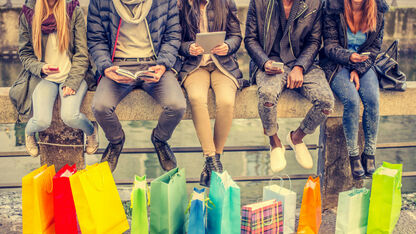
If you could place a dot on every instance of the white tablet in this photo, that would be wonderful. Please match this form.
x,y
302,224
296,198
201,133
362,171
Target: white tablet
x,y
210,40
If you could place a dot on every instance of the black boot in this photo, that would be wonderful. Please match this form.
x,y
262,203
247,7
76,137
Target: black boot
x,y
112,153
212,163
165,154
369,164
357,169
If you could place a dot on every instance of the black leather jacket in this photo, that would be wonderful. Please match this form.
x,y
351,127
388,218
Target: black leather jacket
x,y
303,35
335,54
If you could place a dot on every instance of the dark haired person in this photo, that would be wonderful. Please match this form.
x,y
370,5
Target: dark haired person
x,y
289,32
351,28
136,35
217,69
54,54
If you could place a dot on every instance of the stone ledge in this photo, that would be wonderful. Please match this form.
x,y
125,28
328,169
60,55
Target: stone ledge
x,y
140,106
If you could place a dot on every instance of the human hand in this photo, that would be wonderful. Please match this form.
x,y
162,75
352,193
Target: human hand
x,y
221,50
67,91
356,58
157,72
195,50
50,69
295,78
354,77
111,73
271,70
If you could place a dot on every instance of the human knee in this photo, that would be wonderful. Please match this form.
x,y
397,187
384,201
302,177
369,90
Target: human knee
x,y
196,98
352,105
43,122
176,106
267,96
225,103
100,108
69,117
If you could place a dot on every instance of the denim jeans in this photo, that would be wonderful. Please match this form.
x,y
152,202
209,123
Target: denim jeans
x,y
43,100
350,97
167,92
315,88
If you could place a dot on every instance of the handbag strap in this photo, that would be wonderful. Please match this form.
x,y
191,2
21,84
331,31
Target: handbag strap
x,y
392,47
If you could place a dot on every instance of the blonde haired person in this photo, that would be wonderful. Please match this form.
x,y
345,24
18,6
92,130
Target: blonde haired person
x,y
53,51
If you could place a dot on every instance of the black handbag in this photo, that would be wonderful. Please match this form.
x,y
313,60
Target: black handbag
x,y
387,68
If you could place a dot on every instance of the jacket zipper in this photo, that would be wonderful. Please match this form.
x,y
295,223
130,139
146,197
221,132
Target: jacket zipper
x,y
290,29
114,50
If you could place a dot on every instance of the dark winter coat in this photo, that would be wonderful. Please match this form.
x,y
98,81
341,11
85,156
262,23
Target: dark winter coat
x,y
335,54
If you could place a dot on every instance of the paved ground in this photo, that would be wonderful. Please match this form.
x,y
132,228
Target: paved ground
x,y
11,215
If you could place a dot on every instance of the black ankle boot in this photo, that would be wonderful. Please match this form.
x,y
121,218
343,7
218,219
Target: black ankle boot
x,y
212,163
369,164
357,169
205,177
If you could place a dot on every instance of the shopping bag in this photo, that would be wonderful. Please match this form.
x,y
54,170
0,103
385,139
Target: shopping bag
x,y
97,201
225,216
352,211
197,212
139,222
63,202
38,201
29,206
262,217
385,199
310,216
168,203
288,199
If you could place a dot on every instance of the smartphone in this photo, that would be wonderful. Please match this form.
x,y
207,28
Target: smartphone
x,y
53,68
365,54
278,65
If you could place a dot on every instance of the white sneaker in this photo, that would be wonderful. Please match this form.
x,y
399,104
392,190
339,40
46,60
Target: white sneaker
x,y
277,159
303,156
31,145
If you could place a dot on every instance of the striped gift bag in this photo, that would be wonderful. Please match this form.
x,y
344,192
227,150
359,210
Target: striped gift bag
x,y
263,217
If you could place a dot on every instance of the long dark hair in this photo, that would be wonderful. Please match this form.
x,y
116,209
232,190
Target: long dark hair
x,y
190,13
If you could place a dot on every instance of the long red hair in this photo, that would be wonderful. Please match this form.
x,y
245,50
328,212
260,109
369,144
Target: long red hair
x,y
368,20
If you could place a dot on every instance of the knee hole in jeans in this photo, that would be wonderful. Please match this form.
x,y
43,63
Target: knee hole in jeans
x,y
268,104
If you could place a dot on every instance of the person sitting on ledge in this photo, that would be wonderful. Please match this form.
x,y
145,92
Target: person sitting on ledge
x,y
353,34
283,38
54,54
136,35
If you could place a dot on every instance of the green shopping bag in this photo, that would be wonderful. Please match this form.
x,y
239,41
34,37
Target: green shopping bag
x,y
139,222
386,199
352,212
168,203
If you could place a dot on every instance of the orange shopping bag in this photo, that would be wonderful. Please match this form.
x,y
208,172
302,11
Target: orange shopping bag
x,y
37,201
310,216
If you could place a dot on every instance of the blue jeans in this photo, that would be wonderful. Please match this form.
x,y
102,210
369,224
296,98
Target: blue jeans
x,y
43,100
350,97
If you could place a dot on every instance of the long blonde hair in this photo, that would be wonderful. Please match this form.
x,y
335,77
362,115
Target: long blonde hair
x,y
42,12
368,20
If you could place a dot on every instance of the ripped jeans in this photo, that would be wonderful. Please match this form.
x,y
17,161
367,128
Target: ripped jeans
x,y
315,88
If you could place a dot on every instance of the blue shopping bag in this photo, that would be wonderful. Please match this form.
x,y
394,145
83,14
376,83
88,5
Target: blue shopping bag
x,y
197,212
225,216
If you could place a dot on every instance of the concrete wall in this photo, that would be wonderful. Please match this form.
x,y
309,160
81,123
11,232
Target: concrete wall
x,y
400,24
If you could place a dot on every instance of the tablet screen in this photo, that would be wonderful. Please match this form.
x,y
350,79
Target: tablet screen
x,y
210,40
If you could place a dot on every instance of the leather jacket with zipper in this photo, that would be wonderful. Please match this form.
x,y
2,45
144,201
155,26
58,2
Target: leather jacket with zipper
x,y
303,34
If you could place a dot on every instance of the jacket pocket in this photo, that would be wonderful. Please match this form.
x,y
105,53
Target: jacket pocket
x,y
307,15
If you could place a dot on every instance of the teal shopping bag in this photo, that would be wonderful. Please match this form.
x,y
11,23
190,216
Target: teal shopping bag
x,y
385,199
352,212
139,221
225,216
168,203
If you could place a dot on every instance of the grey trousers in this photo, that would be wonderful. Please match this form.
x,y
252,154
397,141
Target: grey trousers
x,y
315,88
167,92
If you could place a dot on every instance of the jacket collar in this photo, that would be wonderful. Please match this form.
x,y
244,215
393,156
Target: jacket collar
x,y
337,6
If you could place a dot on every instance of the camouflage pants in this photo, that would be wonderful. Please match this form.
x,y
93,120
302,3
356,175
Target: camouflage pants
x,y
315,88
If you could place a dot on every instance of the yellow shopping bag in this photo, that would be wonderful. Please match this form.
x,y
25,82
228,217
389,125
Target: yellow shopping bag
x,y
37,201
97,201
